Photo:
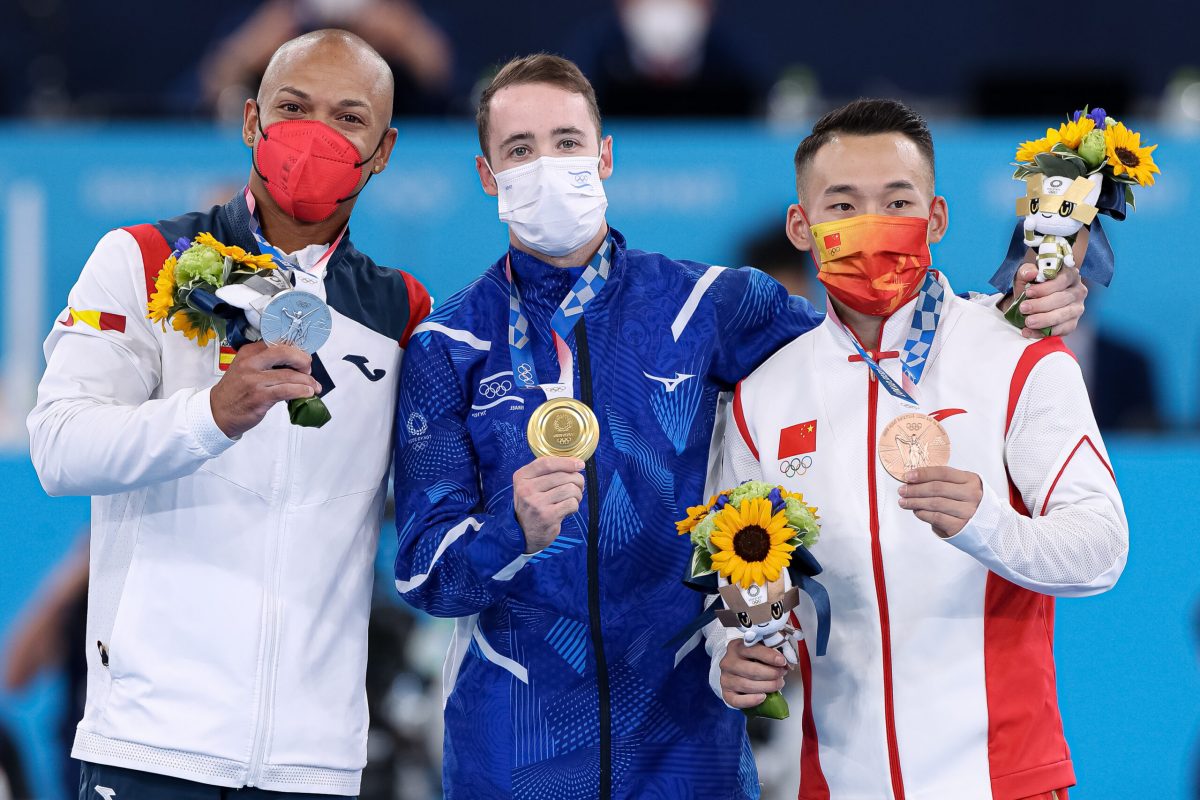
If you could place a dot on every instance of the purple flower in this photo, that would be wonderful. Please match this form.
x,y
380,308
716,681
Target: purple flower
x,y
182,244
722,501
1097,115
776,499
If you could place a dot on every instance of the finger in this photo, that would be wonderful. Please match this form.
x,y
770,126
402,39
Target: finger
x,y
548,464
943,473
754,671
560,493
941,522
560,511
1021,280
1065,281
274,377
940,505
1060,320
744,700
762,654
734,683
952,491
283,355
546,483
288,391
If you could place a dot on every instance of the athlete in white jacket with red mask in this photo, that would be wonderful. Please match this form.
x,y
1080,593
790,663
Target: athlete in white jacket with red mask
x,y
962,485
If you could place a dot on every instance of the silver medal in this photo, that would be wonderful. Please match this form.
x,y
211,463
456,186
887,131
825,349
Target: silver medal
x,y
297,318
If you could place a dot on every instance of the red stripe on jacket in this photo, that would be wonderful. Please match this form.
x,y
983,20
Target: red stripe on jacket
x,y
1027,752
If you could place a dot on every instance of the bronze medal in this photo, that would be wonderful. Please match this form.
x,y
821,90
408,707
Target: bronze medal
x,y
563,427
912,441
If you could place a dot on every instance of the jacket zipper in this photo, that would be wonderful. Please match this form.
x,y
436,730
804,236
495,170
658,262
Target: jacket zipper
x,y
889,708
592,485
271,618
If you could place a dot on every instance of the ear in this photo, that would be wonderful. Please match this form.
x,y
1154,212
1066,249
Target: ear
x,y
250,122
380,161
939,219
606,157
798,229
486,179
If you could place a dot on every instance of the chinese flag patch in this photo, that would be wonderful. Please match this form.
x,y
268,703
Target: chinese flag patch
x,y
833,240
796,440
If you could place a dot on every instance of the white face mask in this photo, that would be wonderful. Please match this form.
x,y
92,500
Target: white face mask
x,y
553,205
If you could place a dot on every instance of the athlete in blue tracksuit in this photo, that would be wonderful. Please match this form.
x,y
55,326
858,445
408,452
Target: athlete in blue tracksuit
x,y
562,670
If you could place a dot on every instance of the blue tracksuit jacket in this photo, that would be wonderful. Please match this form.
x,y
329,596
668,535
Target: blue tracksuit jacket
x,y
560,683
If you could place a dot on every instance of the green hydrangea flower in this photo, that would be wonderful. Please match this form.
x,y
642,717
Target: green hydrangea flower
x,y
1092,149
750,489
800,518
200,264
702,532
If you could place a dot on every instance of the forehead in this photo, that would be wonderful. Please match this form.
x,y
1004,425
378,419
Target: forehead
x,y
329,72
537,107
868,163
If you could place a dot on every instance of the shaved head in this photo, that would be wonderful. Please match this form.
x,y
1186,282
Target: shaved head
x,y
335,48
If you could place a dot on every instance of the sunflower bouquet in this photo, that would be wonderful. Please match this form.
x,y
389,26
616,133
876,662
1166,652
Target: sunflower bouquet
x,y
1088,165
185,295
750,546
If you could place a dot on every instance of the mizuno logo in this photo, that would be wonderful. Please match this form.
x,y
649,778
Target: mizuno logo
x,y
361,362
106,793
669,383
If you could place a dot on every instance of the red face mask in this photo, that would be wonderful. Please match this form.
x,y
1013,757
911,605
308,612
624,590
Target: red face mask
x,y
308,167
872,263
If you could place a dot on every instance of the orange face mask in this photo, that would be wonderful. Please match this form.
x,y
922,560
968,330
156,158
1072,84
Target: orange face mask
x,y
872,263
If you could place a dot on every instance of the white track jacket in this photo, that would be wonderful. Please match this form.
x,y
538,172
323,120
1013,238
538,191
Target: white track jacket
x,y
230,580
939,680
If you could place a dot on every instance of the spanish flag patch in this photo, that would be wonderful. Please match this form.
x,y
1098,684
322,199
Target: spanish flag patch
x,y
225,357
100,320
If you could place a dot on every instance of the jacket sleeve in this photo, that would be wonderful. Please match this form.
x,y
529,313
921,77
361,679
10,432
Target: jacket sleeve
x,y
100,425
456,548
732,462
1076,539
754,318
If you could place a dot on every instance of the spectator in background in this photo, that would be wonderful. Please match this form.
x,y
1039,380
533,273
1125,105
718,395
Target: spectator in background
x,y
665,58
1120,378
51,636
771,251
12,775
416,49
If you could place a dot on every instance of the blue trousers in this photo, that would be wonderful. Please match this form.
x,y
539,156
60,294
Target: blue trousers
x,y
101,782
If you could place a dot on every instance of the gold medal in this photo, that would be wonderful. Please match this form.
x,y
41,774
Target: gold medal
x,y
912,441
563,427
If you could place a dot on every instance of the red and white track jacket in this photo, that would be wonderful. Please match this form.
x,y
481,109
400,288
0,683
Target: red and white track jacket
x,y
939,679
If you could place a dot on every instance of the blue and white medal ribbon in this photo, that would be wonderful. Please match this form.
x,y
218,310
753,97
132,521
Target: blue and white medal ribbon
x,y
926,316
282,260
569,311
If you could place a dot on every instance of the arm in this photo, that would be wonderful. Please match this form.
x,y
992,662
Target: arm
x,y
98,426
1076,540
457,548
754,318
741,676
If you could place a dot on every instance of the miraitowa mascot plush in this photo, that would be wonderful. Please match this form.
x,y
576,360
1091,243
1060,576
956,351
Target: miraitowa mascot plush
x,y
1088,166
750,556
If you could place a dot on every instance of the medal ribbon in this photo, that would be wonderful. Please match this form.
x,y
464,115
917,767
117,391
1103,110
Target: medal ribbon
x,y
281,259
569,312
922,329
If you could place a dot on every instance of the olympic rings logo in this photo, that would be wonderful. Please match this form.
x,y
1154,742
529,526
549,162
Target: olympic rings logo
x,y
416,424
495,389
795,466
525,373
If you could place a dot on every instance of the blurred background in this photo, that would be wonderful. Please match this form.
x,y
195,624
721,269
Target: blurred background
x,y
117,113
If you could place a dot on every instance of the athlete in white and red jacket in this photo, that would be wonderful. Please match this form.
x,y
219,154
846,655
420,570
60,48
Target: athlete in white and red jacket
x,y
939,680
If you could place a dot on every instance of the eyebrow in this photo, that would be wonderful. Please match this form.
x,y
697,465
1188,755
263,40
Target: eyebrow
x,y
845,188
571,130
516,137
349,102
901,185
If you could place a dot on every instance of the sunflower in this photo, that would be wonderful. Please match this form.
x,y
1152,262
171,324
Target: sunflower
x,y
695,514
1071,133
164,292
1127,156
752,542
236,253
193,326
1027,151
